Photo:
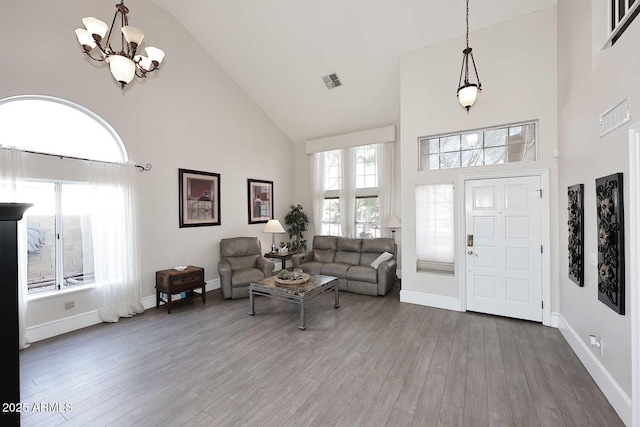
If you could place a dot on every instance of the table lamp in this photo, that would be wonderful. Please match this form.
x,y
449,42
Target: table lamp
x,y
273,227
392,223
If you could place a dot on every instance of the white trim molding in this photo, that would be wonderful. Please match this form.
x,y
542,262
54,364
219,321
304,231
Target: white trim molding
x,y
90,318
634,259
619,400
431,300
353,139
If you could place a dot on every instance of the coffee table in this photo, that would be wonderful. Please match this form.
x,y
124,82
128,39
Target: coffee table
x,y
300,294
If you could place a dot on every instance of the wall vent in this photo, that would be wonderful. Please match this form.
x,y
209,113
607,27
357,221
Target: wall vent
x,y
615,117
331,81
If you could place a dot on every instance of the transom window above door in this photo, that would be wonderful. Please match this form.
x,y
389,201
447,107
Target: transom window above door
x,y
480,147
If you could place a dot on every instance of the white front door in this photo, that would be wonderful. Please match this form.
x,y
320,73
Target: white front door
x,y
504,246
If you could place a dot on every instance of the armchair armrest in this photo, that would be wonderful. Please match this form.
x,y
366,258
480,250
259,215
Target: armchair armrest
x,y
265,265
301,258
224,270
386,276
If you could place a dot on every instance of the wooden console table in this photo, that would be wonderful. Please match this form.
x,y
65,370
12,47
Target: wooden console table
x,y
172,281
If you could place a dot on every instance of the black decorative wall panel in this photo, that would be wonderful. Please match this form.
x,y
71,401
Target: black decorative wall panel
x,y
576,234
610,241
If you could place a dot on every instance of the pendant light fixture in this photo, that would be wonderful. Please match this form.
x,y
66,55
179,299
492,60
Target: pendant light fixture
x,y
124,63
468,92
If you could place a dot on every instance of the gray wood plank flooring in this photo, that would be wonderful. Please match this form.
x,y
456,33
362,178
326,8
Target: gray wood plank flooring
x,y
372,362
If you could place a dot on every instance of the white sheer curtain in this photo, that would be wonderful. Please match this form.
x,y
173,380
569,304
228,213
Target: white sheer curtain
x,y
115,241
385,157
316,168
11,178
348,192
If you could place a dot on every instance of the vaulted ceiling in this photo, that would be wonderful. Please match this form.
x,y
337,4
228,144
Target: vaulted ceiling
x,y
278,51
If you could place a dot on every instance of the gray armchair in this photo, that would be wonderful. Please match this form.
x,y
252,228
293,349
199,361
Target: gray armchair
x,y
241,262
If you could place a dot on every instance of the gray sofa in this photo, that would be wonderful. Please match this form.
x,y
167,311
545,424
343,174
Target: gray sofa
x,y
349,260
241,262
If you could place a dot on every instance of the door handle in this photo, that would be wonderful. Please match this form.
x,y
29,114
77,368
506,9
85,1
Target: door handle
x,y
472,253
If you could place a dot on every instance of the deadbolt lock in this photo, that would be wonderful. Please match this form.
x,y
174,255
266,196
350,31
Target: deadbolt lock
x,y
469,240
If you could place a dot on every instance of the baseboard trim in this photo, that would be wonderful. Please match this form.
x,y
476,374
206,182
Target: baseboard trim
x,y
430,300
62,326
90,318
554,319
619,400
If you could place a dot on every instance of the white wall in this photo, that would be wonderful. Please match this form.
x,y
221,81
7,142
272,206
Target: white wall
x,y
516,61
190,114
590,82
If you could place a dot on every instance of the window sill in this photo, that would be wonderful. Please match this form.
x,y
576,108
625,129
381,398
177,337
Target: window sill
x,y
67,291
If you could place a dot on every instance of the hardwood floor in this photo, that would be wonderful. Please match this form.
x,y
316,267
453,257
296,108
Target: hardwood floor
x,y
372,362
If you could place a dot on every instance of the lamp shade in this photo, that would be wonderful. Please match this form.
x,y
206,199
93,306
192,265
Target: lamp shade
x,y
85,38
467,95
273,226
392,222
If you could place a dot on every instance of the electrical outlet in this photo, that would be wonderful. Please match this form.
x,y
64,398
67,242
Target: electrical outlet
x,y
592,259
68,305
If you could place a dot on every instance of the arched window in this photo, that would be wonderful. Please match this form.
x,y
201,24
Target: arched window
x,y
51,125
62,228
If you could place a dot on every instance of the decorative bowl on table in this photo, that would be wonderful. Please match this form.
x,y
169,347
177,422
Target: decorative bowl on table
x,y
290,278
180,267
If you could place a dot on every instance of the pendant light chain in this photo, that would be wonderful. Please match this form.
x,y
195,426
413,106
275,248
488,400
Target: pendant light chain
x,y
467,24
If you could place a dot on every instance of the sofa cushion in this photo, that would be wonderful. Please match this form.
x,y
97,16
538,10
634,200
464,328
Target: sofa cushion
x,y
325,242
237,262
323,255
244,276
363,273
239,246
349,244
345,257
379,245
312,267
334,269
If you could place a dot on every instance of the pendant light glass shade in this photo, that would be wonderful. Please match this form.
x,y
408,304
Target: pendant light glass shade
x,y
132,35
85,38
95,27
122,68
155,54
467,95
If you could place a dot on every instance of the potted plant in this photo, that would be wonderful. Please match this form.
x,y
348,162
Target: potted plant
x,y
298,222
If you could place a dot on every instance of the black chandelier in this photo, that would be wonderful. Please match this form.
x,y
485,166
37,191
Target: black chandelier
x,y
468,92
124,63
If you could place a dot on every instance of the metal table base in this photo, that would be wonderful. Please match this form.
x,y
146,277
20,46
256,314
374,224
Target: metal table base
x,y
289,293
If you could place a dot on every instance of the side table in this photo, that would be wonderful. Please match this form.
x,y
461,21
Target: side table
x,y
282,257
172,281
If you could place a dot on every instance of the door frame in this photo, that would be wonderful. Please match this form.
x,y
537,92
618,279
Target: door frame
x,y
545,230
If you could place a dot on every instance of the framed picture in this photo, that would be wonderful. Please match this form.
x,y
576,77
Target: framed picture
x,y
260,200
199,198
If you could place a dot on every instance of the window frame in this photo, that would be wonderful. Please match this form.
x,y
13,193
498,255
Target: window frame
x,y
58,245
424,163
433,266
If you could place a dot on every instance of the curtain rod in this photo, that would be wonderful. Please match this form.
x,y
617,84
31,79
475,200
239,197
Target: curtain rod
x,y
141,168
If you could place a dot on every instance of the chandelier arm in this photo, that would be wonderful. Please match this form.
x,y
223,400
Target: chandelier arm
x,y
101,59
113,23
473,61
461,71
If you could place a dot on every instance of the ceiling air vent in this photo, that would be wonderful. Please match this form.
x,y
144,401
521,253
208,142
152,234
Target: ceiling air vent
x,y
331,81
615,117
